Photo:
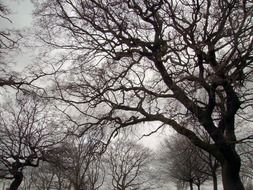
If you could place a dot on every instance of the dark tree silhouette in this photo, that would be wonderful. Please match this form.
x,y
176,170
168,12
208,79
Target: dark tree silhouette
x,y
27,131
160,60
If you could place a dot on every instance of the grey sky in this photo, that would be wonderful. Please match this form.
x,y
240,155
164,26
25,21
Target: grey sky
x,y
21,14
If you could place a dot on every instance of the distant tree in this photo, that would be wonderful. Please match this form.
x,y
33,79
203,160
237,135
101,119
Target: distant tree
x,y
181,161
79,160
128,164
27,182
28,130
155,60
213,165
47,177
42,178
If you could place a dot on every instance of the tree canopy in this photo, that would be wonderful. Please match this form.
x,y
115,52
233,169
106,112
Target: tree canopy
x,y
163,60
178,63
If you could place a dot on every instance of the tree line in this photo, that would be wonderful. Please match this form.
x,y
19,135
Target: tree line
x,y
38,152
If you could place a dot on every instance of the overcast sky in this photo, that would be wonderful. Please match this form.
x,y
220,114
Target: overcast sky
x,y
21,13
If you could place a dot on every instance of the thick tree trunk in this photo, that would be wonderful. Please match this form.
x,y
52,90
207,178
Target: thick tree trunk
x,y
230,176
198,187
18,177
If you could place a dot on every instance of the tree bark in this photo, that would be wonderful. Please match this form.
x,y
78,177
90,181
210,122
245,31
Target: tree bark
x,y
230,176
18,178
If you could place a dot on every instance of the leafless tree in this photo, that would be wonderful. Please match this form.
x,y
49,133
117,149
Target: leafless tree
x,y
28,130
160,60
47,177
42,178
79,160
128,165
181,161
